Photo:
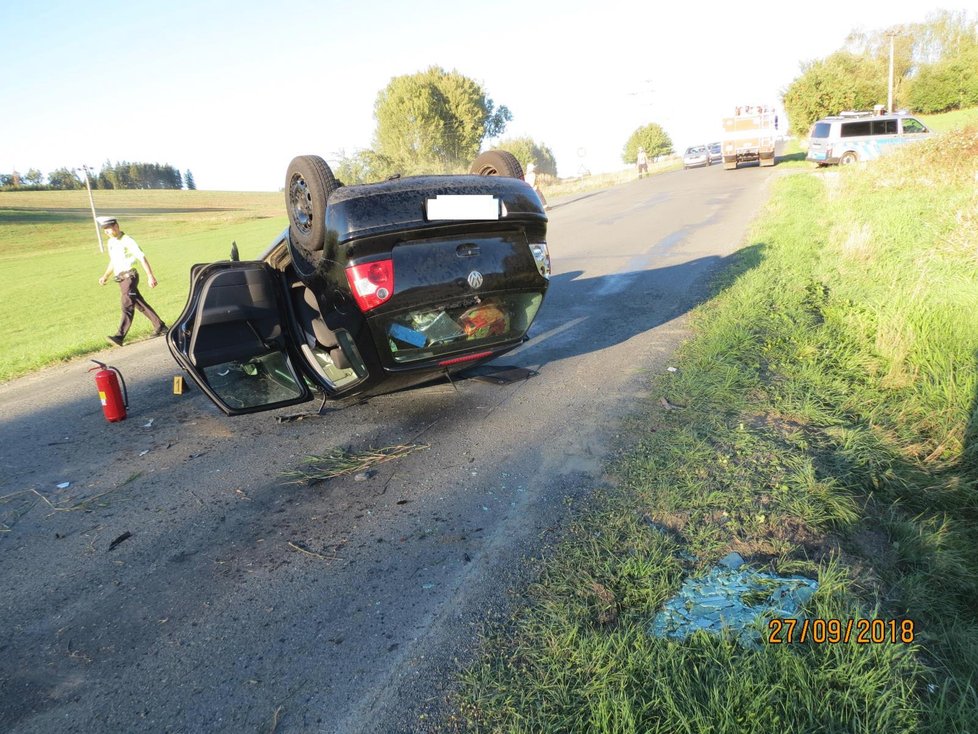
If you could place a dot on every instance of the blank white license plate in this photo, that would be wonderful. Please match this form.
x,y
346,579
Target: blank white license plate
x,y
463,206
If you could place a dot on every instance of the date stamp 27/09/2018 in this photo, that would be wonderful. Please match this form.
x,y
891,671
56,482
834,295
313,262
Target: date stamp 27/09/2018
x,y
841,631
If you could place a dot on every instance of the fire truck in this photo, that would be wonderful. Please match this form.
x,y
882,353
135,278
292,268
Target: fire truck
x,y
751,134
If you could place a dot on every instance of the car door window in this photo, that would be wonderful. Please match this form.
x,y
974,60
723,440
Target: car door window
x,y
912,126
884,127
232,341
855,129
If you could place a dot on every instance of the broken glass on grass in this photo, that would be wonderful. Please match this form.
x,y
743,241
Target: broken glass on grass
x,y
732,598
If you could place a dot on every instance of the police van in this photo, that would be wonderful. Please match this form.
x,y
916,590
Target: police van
x,y
861,136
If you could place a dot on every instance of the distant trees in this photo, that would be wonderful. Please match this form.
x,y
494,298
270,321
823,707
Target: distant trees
x,y
652,137
529,151
935,69
124,175
188,181
63,178
127,175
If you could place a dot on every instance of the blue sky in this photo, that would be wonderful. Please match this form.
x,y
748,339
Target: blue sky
x,y
234,90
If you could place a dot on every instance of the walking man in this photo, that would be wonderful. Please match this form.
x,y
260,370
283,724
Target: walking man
x,y
123,254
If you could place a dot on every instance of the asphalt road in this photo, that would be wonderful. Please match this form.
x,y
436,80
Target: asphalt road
x,y
239,602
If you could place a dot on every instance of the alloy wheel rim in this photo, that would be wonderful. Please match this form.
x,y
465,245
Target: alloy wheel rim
x,y
301,203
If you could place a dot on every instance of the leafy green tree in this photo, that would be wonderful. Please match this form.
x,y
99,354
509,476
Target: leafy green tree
x,y
874,46
34,177
948,78
64,178
363,166
652,137
188,181
944,35
946,85
529,151
935,65
843,81
434,121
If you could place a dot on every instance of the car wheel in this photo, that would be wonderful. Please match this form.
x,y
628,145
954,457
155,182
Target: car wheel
x,y
497,163
848,159
308,184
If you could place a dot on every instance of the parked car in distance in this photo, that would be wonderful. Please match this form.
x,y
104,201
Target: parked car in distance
x,y
370,289
698,155
861,136
716,155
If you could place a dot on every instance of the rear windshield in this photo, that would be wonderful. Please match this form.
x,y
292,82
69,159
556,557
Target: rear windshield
x,y
821,130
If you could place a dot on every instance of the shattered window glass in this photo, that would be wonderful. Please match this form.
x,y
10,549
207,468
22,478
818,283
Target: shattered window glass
x,y
472,323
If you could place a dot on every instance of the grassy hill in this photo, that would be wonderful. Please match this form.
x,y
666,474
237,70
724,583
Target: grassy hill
x,y
52,307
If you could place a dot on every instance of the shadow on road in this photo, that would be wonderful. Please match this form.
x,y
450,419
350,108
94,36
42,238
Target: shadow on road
x,y
584,315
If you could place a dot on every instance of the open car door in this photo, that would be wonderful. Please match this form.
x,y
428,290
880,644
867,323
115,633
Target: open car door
x,y
231,339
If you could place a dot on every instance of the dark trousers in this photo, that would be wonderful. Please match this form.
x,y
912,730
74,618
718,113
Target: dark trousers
x,y
133,299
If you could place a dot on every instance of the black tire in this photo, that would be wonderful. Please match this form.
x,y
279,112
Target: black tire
x,y
308,184
497,163
848,158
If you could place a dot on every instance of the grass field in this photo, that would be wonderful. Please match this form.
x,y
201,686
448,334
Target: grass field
x,y
53,307
827,426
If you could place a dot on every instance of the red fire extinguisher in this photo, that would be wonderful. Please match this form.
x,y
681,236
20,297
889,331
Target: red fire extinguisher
x,y
114,400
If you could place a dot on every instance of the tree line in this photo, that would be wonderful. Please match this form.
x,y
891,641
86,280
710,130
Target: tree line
x,y
935,69
121,175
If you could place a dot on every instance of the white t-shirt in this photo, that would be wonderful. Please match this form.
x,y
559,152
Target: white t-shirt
x,y
124,253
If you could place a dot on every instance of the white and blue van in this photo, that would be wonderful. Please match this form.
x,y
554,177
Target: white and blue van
x,y
861,136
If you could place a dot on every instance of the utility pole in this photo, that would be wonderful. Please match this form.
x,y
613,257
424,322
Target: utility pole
x,y
91,200
889,97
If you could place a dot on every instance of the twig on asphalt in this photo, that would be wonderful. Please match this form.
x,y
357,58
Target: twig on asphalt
x,y
338,462
274,725
308,552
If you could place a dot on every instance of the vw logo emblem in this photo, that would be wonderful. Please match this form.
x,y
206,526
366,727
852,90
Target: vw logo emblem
x,y
475,279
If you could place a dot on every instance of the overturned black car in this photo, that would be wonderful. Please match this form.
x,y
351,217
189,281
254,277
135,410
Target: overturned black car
x,y
371,288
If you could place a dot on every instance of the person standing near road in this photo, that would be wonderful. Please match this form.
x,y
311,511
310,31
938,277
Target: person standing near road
x,y
531,178
123,255
642,161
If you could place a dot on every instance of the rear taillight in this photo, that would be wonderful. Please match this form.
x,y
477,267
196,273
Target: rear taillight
x,y
372,283
541,256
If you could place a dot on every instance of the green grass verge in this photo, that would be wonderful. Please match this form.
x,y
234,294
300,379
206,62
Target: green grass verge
x,y
53,308
827,427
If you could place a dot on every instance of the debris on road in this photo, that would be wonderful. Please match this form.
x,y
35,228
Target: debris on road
x,y
121,539
338,462
320,556
64,485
